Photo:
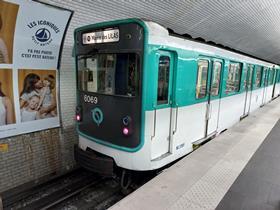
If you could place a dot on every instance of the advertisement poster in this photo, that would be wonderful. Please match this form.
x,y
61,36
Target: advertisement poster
x,y
31,38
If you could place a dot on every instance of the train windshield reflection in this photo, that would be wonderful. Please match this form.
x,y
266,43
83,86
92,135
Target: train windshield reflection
x,y
110,74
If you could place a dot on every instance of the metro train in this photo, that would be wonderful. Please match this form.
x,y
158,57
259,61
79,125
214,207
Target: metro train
x,y
146,97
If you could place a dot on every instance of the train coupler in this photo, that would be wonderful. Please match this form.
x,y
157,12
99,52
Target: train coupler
x,y
95,162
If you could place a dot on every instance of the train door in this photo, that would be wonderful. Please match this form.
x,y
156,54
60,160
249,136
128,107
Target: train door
x,y
163,114
266,76
248,88
213,106
274,83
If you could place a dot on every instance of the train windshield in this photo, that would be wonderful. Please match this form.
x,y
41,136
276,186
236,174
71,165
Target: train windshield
x,y
110,74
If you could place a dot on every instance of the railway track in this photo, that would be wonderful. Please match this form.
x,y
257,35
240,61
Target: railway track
x,y
61,195
54,194
97,197
80,189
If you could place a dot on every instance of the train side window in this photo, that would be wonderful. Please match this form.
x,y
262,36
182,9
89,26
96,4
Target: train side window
x,y
265,77
271,77
245,72
233,80
216,76
201,82
163,80
259,71
250,73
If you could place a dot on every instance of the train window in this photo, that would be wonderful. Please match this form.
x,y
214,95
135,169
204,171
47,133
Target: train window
x,y
201,83
216,76
163,80
249,75
265,77
110,74
271,77
233,80
259,71
245,72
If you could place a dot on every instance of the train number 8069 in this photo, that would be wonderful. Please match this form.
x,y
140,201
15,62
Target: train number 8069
x,y
90,99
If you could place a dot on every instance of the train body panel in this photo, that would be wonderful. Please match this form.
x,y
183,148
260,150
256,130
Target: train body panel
x,y
256,99
277,90
268,94
231,110
161,94
160,139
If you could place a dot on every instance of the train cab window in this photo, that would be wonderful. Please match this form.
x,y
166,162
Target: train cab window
x,y
259,71
233,80
201,82
216,76
110,74
163,80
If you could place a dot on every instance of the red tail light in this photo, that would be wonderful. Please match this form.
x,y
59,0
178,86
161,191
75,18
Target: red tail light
x,y
125,131
78,118
79,114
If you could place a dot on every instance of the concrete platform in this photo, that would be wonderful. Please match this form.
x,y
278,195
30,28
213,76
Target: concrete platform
x,y
258,185
202,179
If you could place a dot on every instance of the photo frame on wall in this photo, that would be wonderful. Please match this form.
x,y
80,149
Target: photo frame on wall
x,y
31,41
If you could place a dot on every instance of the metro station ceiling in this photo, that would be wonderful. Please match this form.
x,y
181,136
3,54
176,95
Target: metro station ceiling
x,y
250,26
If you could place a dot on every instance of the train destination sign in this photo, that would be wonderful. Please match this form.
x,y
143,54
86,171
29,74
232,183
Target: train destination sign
x,y
101,36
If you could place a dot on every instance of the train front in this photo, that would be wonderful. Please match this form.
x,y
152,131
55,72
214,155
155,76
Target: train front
x,y
109,61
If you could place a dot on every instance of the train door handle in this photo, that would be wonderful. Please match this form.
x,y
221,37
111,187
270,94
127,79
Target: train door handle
x,y
208,107
210,110
176,119
207,112
154,125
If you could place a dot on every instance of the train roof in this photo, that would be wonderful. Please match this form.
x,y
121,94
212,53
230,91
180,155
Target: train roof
x,y
159,35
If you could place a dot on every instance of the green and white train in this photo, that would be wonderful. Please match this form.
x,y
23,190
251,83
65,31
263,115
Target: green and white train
x,y
145,97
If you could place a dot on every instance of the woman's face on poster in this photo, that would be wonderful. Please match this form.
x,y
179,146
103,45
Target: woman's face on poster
x,y
39,84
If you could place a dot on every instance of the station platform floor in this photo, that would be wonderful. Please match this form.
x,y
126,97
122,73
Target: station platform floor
x,y
239,169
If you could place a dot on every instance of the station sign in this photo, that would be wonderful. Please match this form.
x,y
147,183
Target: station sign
x,y
105,36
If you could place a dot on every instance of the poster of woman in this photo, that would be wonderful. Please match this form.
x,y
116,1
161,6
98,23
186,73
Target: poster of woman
x,y
8,16
37,94
32,58
7,114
